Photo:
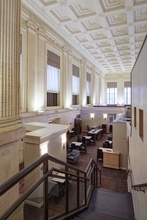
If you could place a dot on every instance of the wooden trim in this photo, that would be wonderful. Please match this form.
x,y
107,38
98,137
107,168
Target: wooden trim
x,y
141,123
134,116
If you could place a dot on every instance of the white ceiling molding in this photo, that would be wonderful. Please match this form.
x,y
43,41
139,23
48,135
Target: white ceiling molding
x,y
108,33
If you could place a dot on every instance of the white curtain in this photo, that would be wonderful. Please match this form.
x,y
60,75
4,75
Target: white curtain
x,y
75,85
53,75
88,88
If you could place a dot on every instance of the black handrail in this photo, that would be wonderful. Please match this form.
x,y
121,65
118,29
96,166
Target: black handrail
x,y
138,187
17,177
91,168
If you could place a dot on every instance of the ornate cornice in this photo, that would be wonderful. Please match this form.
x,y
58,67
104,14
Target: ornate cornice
x,y
53,42
75,58
41,32
31,25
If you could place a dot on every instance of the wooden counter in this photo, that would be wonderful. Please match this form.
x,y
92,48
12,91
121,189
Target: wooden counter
x,y
111,159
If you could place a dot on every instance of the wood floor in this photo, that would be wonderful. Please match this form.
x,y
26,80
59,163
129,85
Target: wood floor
x,y
112,179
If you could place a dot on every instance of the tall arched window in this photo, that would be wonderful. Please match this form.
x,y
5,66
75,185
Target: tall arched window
x,y
53,79
111,93
88,87
127,93
75,85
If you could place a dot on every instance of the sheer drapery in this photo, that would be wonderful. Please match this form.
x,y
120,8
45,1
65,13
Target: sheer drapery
x,y
75,85
53,75
127,95
88,88
111,95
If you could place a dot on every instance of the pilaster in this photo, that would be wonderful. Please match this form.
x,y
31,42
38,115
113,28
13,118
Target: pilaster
x,y
11,128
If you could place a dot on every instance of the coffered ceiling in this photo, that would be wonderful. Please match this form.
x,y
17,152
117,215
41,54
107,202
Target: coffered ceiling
x,y
108,32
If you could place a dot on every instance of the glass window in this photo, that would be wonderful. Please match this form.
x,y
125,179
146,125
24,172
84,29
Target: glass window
x,y
112,96
53,79
53,86
127,95
75,85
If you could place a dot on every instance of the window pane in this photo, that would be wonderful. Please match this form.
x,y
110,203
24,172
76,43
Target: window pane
x,y
75,85
127,95
111,95
53,79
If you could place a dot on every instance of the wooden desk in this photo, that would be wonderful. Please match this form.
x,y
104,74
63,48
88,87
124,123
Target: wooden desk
x,y
97,132
60,180
93,126
106,149
87,138
77,144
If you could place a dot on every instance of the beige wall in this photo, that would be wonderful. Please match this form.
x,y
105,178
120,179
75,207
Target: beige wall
x,y
138,145
37,38
120,79
120,142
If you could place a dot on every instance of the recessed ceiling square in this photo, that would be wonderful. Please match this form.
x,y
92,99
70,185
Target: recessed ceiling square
x,y
141,28
103,43
91,24
98,35
81,38
116,19
49,2
60,14
119,31
72,28
111,5
120,41
82,10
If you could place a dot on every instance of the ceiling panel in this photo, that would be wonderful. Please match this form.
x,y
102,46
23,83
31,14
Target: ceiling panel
x,y
109,33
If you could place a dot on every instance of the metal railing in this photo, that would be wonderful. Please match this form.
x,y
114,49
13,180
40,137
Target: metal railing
x,y
138,187
90,174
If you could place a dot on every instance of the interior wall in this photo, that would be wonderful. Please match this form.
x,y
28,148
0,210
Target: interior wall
x,y
37,38
120,142
138,145
120,79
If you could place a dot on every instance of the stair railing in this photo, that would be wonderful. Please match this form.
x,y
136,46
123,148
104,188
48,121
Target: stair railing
x,y
138,187
81,176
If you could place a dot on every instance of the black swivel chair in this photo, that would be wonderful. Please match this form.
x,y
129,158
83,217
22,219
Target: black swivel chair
x,y
83,147
100,154
88,128
73,146
93,140
106,145
79,138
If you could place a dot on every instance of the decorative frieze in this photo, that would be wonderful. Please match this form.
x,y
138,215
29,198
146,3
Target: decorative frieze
x,y
76,58
54,43
31,25
41,32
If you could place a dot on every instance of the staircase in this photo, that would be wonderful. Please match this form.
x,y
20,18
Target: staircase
x,y
108,205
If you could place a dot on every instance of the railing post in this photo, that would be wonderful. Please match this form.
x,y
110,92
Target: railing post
x,y
78,190
96,174
85,189
66,191
100,176
45,190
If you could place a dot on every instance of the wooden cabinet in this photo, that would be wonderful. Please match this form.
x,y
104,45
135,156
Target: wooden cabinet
x,y
111,160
